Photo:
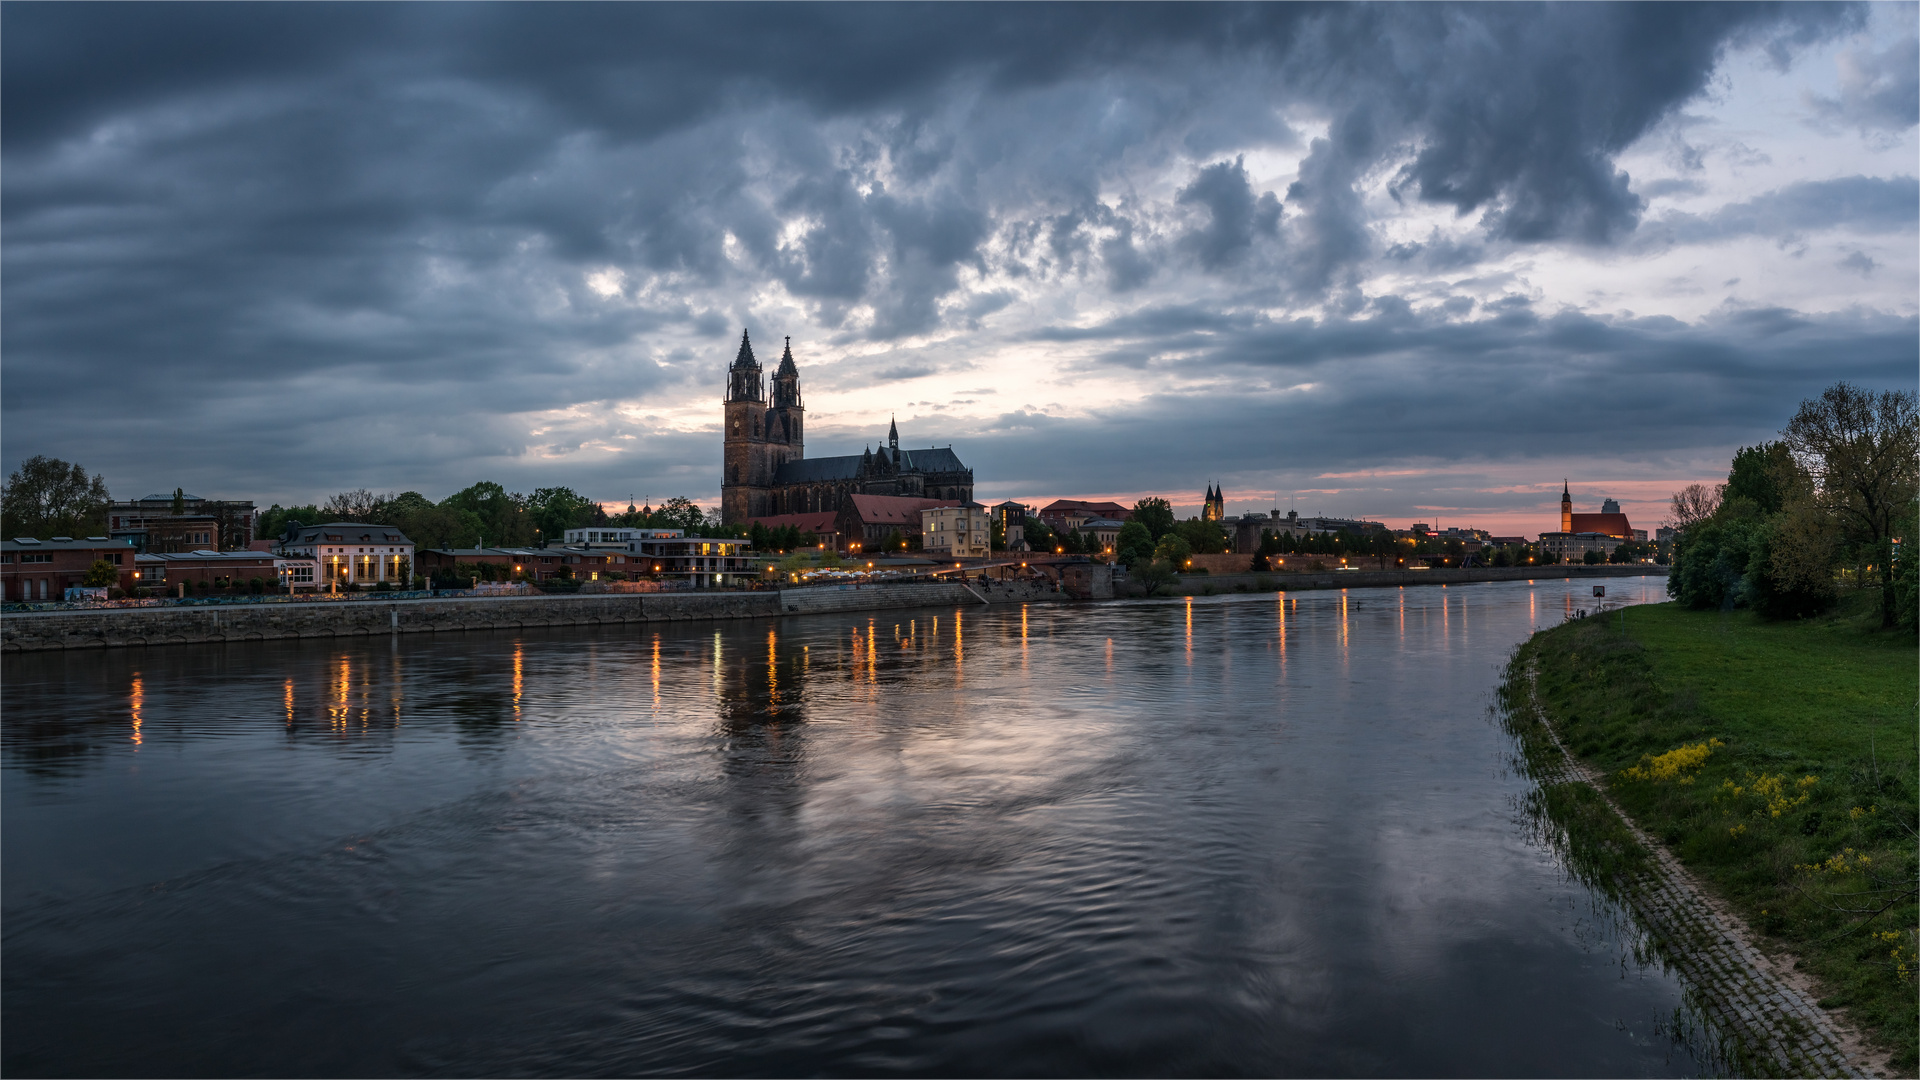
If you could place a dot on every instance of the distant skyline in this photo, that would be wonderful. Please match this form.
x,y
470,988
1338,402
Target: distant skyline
x,y
1405,262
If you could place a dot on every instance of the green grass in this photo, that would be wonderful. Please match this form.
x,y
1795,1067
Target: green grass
x,y
1830,698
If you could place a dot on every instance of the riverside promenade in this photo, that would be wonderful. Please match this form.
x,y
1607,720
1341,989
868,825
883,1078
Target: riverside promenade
x,y
98,628
1290,580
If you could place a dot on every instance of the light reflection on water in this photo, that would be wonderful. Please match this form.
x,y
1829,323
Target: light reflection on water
x,y
1221,835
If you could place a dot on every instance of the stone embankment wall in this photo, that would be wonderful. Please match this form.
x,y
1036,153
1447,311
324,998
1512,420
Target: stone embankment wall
x,y
119,627
1358,579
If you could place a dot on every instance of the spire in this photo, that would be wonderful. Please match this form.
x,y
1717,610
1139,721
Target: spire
x,y
743,377
893,430
786,381
1564,493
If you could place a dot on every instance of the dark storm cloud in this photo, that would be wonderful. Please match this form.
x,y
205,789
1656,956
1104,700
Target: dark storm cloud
x,y
1235,217
1297,398
364,234
1856,203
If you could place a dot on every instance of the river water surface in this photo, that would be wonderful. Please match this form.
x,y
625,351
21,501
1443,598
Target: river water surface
x,y
1237,835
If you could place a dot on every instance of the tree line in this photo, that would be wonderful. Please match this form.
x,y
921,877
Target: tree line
x,y
483,515
1826,509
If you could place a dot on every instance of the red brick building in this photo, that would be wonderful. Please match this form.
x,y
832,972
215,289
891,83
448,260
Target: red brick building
x,y
824,524
220,570
867,520
1065,515
42,570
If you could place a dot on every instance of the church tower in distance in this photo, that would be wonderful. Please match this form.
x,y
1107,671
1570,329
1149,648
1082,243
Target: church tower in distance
x,y
1566,508
758,439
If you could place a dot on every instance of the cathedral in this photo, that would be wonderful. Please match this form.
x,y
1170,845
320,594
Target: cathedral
x,y
766,470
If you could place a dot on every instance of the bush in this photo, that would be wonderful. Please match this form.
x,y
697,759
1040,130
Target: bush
x,y
1155,575
1906,594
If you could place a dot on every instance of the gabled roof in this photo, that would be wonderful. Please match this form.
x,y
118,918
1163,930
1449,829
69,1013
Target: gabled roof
x,y
349,532
818,470
931,460
1069,506
817,522
894,509
847,466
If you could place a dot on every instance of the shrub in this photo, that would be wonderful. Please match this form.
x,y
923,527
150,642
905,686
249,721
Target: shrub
x,y
1155,575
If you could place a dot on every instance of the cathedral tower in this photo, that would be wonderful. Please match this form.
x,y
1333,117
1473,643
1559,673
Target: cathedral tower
x,y
1566,508
745,479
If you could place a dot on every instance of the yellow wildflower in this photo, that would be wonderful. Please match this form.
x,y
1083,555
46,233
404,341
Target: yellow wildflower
x,y
1676,765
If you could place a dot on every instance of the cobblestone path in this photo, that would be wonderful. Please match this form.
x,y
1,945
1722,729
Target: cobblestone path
x,y
1743,993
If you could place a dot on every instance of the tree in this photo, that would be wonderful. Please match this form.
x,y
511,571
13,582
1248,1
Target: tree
x,y
1040,535
1860,447
1174,549
679,512
49,497
1710,562
101,574
1790,570
273,522
1156,575
554,510
503,517
179,506
1692,504
1134,545
356,505
1203,537
1762,473
1156,515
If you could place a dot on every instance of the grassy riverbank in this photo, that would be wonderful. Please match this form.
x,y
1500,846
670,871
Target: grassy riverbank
x,y
1778,762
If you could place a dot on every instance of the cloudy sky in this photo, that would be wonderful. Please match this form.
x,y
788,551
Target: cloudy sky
x,y
1401,261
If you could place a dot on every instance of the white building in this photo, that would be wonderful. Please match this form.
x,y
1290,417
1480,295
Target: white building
x,y
350,553
612,536
957,532
1573,547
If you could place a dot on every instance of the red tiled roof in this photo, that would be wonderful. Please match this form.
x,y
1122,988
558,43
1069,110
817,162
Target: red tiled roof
x,y
1099,509
894,509
1605,524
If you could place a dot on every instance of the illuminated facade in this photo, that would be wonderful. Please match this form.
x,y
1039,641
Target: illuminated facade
x,y
349,554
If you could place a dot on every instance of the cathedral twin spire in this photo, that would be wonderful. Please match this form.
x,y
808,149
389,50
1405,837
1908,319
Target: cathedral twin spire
x,y
744,383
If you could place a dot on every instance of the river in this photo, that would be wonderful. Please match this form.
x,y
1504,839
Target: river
x,y
1230,835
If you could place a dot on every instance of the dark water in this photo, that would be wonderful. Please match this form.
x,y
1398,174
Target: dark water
x,y
1239,835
